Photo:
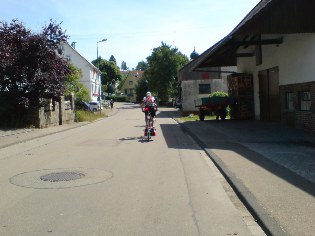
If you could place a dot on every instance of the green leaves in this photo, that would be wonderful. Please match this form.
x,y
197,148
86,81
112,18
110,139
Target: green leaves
x,y
218,94
110,72
74,86
161,74
142,65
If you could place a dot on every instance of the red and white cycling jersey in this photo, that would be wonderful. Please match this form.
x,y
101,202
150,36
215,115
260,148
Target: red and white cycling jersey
x,y
149,101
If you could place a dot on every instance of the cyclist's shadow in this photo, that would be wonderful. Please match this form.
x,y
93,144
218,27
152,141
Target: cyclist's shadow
x,y
140,139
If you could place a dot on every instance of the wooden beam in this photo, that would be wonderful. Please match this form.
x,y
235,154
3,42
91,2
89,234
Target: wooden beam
x,y
245,54
258,42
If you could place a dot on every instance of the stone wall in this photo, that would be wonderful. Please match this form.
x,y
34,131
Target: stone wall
x,y
55,113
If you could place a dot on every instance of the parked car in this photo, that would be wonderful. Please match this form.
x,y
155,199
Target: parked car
x,y
83,106
95,106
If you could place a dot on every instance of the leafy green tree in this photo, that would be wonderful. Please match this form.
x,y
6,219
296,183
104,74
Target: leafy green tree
x,y
141,89
74,86
164,62
30,69
110,89
104,88
124,66
110,72
112,59
142,65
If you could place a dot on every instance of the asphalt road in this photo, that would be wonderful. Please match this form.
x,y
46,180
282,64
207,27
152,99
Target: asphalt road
x,y
105,179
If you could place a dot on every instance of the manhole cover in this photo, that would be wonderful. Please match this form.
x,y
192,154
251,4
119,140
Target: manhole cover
x,y
62,176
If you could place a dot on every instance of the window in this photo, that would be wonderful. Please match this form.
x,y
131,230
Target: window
x,y
305,100
204,89
93,88
130,82
289,104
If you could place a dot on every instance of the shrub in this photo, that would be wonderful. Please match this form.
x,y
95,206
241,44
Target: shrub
x,y
218,94
81,116
122,98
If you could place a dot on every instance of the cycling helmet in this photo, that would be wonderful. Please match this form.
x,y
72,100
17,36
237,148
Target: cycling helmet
x,y
148,94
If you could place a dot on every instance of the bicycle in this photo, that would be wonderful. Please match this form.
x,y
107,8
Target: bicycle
x,y
149,129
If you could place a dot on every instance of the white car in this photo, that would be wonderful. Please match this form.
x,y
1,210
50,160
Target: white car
x,y
95,106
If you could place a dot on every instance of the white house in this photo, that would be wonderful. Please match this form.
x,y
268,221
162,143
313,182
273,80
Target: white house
x,y
90,74
275,44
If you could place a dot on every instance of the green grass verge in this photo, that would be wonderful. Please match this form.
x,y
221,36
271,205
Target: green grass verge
x,y
193,117
81,116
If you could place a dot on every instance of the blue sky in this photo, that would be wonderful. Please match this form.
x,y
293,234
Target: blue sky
x,y
132,28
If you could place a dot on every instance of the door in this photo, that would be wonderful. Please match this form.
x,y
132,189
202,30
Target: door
x,y
274,97
269,94
263,95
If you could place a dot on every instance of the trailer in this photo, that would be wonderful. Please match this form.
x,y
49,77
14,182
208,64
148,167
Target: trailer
x,y
216,105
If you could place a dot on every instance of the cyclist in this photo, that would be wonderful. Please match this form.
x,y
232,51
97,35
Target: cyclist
x,y
149,105
111,103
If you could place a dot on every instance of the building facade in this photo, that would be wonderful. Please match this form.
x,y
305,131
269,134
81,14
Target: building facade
x,y
131,80
275,43
284,85
90,74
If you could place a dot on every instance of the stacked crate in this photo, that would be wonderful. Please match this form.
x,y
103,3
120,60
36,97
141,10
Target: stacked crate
x,y
241,89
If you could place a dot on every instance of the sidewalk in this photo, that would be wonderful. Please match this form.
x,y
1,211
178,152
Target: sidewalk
x,y
10,137
271,167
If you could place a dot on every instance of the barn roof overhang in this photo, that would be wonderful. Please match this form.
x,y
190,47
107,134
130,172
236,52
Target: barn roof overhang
x,y
271,17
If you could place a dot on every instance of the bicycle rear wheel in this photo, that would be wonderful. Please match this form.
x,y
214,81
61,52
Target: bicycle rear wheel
x,y
148,135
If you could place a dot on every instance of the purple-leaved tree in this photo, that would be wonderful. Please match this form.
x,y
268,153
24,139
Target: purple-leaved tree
x,y
30,68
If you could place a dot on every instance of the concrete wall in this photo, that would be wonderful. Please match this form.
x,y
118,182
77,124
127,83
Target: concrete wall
x,y
190,80
190,91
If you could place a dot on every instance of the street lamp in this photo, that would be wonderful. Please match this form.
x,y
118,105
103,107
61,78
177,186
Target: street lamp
x,y
99,77
97,62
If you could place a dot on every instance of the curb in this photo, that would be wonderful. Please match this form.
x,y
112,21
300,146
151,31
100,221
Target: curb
x,y
266,222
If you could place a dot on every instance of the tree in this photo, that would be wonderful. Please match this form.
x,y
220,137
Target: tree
x,y
30,69
142,65
110,72
141,89
110,88
73,86
163,64
124,66
112,59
